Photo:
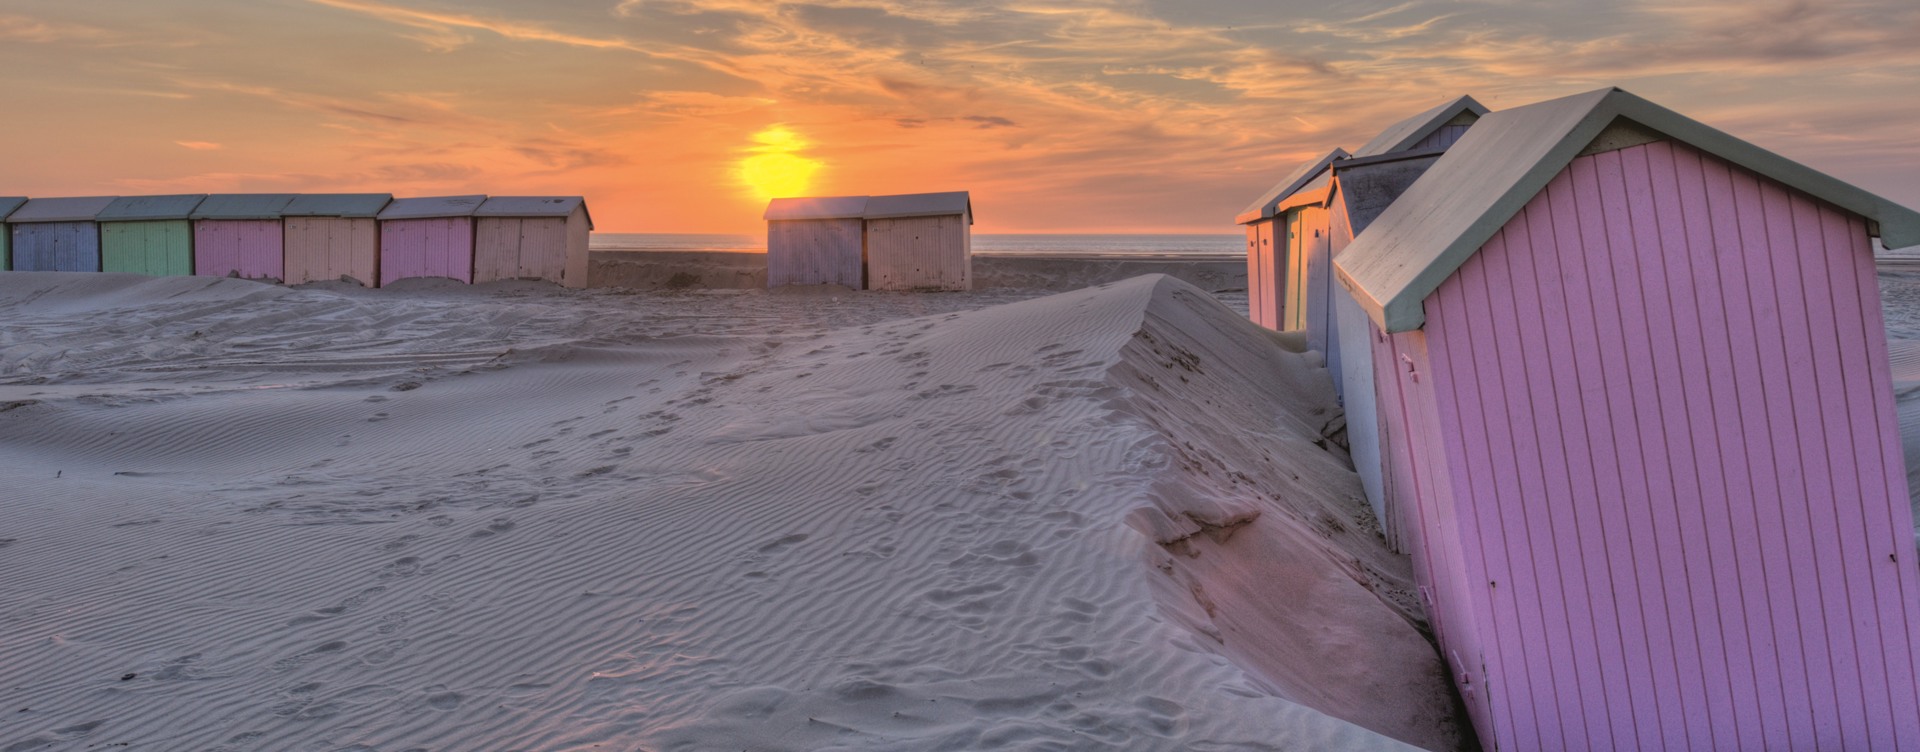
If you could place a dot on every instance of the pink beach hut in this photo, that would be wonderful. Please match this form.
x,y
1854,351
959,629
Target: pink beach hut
x,y
428,237
1640,424
238,235
334,236
532,237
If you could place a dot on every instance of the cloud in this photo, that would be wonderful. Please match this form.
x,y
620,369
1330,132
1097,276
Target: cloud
x,y
199,145
16,28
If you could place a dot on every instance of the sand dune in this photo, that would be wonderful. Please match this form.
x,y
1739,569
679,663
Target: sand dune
x,y
515,517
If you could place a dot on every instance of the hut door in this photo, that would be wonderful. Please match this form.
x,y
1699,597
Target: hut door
x,y
1294,310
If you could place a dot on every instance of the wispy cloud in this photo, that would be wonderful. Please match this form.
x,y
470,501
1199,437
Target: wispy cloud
x,y
199,145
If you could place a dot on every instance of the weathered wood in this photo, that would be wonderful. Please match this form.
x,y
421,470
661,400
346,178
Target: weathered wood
x,y
320,249
816,252
919,253
246,248
56,247
157,248
429,247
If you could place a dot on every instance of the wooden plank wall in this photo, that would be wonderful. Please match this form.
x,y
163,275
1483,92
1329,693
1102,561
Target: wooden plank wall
x,y
1442,138
1292,256
1317,285
1353,372
158,248
1666,400
56,247
579,233
815,252
320,249
6,247
249,248
1266,279
437,247
520,248
919,253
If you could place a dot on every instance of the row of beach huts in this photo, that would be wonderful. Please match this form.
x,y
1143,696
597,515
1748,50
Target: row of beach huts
x,y
1618,383
369,238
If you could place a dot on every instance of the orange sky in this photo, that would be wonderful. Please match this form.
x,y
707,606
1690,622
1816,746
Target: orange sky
x,y
1058,116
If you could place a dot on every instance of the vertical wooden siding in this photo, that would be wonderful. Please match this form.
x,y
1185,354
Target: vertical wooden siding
x,y
1442,138
1664,392
1266,279
328,248
1293,249
574,272
919,253
158,248
520,248
815,252
250,248
56,247
438,247
6,248
1317,281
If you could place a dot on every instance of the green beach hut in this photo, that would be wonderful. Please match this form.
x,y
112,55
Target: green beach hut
x,y
148,235
7,205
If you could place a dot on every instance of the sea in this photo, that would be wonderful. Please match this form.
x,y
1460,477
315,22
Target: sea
x,y
989,244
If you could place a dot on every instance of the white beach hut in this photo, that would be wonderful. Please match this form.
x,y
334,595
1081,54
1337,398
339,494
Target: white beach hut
x,y
816,241
920,241
532,237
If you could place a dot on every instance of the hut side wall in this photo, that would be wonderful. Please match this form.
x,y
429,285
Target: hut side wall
x,y
1292,257
1265,278
158,248
437,247
520,248
1353,373
815,252
6,247
250,248
328,248
56,247
1442,138
579,234
1671,410
919,253
1317,288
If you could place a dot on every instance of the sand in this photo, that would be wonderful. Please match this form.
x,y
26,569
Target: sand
x,y
719,270
512,516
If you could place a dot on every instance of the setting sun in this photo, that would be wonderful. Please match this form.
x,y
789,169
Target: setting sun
x,y
775,169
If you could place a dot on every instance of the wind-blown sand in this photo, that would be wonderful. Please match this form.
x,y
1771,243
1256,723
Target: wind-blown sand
x,y
515,517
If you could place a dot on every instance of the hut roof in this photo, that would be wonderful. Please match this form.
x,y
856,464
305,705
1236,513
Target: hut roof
x,y
1267,205
533,206
920,205
352,205
142,208
1313,193
1509,156
82,209
1368,186
1404,134
432,207
243,206
8,204
816,207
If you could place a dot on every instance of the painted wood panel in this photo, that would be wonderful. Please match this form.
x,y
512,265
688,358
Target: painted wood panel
x,y
1253,271
816,252
1442,138
1266,279
157,248
246,248
431,247
1317,281
56,247
579,235
6,247
919,253
1290,239
1682,518
320,249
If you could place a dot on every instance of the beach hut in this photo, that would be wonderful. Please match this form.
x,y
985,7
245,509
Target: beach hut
x,y
7,205
1638,404
1275,263
57,234
428,237
532,237
239,235
333,236
817,241
150,235
920,241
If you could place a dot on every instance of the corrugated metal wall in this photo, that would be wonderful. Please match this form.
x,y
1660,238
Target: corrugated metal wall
x,y
919,253
328,248
815,252
56,247
438,247
158,248
1666,405
251,248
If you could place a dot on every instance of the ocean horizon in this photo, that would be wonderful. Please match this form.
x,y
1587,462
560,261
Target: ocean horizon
x,y
1004,244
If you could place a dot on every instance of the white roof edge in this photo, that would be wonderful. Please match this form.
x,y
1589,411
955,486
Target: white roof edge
x,y
1264,207
902,205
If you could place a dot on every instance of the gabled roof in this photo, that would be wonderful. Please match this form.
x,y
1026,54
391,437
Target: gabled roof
x,y
243,206
920,205
147,208
1404,134
433,207
816,207
351,205
1511,155
1314,193
1265,206
533,206
8,204
81,209
1368,186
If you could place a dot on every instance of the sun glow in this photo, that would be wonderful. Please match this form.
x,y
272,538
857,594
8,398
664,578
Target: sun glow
x,y
774,167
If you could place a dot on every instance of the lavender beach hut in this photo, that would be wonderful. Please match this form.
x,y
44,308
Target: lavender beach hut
x,y
817,241
151,235
919,241
7,206
239,235
332,236
57,234
532,237
1641,427
428,237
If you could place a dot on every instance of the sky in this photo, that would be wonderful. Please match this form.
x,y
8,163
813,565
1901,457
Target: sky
x,y
686,115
